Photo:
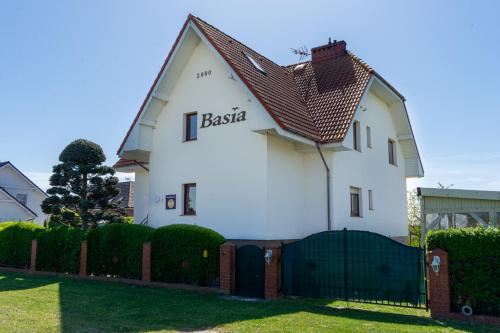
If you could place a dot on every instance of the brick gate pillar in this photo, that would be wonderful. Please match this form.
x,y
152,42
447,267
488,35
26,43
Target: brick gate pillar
x,y
439,285
272,280
34,249
83,258
146,262
227,268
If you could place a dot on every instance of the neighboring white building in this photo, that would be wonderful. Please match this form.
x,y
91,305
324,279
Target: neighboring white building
x,y
229,140
20,198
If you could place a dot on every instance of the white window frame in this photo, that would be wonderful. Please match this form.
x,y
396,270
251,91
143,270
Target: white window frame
x,y
394,160
368,137
356,136
358,192
370,200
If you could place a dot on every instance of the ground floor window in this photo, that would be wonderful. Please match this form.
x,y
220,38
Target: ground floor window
x,y
355,201
189,199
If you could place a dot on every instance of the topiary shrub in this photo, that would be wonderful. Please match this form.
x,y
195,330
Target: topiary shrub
x,y
185,253
116,249
15,242
474,257
59,249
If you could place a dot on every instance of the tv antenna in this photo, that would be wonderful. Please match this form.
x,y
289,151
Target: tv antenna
x,y
302,52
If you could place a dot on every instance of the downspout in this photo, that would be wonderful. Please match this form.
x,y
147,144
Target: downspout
x,y
328,185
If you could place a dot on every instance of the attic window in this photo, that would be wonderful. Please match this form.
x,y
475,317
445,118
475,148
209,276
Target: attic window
x,y
254,63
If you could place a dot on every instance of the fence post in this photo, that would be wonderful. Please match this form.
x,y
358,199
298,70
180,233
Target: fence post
x,y
227,268
272,280
83,258
439,285
146,262
34,249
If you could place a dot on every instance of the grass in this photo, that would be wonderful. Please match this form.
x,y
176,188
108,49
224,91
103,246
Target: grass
x,y
30,303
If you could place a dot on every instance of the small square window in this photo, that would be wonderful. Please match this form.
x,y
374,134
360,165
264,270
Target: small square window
x,y
392,151
189,199
368,137
355,202
356,136
22,198
191,126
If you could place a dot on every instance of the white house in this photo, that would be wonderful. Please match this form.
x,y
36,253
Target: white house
x,y
229,140
20,198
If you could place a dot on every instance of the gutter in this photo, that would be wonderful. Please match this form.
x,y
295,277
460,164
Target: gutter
x,y
328,190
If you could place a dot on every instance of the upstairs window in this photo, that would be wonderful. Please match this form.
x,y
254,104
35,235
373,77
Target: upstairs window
x,y
391,145
355,202
189,199
356,136
22,198
191,126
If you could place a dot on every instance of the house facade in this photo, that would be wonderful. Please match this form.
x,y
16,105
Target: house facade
x,y
20,198
229,140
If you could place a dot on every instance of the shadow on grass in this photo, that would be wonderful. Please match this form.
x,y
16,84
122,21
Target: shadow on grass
x,y
105,306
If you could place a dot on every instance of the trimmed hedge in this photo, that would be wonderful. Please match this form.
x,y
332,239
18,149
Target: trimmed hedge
x,y
116,249
185,254
15,242
474,257
59,249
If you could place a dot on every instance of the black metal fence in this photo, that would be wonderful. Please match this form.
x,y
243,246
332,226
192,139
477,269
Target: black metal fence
x,y
355,266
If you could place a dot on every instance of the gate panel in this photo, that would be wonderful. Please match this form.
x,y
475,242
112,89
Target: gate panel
x,y
354,266
250,271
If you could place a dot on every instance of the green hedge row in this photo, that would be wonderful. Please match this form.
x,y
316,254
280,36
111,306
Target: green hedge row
x,y
474,257
180,253
185,253
116,249
15,242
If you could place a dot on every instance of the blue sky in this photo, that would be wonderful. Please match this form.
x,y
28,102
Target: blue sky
x,y
81,69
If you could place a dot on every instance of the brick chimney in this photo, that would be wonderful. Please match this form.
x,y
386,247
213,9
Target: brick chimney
x,y
329,51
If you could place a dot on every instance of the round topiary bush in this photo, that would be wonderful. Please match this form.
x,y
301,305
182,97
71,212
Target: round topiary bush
x,y
185,253
15,242
82,151
116,249
59,249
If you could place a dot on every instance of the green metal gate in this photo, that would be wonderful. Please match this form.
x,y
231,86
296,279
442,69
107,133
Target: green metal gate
x,y
357,266
250,271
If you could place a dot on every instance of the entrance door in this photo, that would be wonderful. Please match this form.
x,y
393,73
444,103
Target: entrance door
x,y
250,271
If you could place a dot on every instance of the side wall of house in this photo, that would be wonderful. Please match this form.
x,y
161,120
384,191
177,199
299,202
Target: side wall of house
x,y
11,211
370,170
141,195
15,184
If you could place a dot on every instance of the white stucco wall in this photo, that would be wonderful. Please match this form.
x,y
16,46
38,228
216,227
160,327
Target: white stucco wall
x,y
258,186
370,170
227,162
15,184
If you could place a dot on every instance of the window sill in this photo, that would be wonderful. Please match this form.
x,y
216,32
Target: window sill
x,y
187,215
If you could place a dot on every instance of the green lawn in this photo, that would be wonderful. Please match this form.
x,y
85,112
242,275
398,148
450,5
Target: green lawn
x,y
50,304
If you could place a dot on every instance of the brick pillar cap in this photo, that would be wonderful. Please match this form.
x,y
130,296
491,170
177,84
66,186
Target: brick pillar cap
x,y
438,251
228,244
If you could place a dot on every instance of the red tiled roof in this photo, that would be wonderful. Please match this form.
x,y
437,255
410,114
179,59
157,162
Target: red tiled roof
x,y
317,102
122,162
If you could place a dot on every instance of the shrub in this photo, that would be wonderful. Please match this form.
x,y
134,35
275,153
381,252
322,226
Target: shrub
x,y
116,249
474,254
15,242
185,253
59,249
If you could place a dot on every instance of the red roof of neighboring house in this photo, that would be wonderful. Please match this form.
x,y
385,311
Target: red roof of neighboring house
x,y
317,102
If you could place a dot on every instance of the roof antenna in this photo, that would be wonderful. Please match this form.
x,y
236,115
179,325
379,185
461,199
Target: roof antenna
x,y
302,52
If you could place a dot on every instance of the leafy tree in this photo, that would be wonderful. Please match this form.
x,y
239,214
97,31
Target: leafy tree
x,y
414,219
82,188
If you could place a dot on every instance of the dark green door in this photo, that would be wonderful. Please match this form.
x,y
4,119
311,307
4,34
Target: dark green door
x,y
250,271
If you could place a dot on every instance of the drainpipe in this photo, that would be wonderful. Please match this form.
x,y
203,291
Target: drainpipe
x,y
328,185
